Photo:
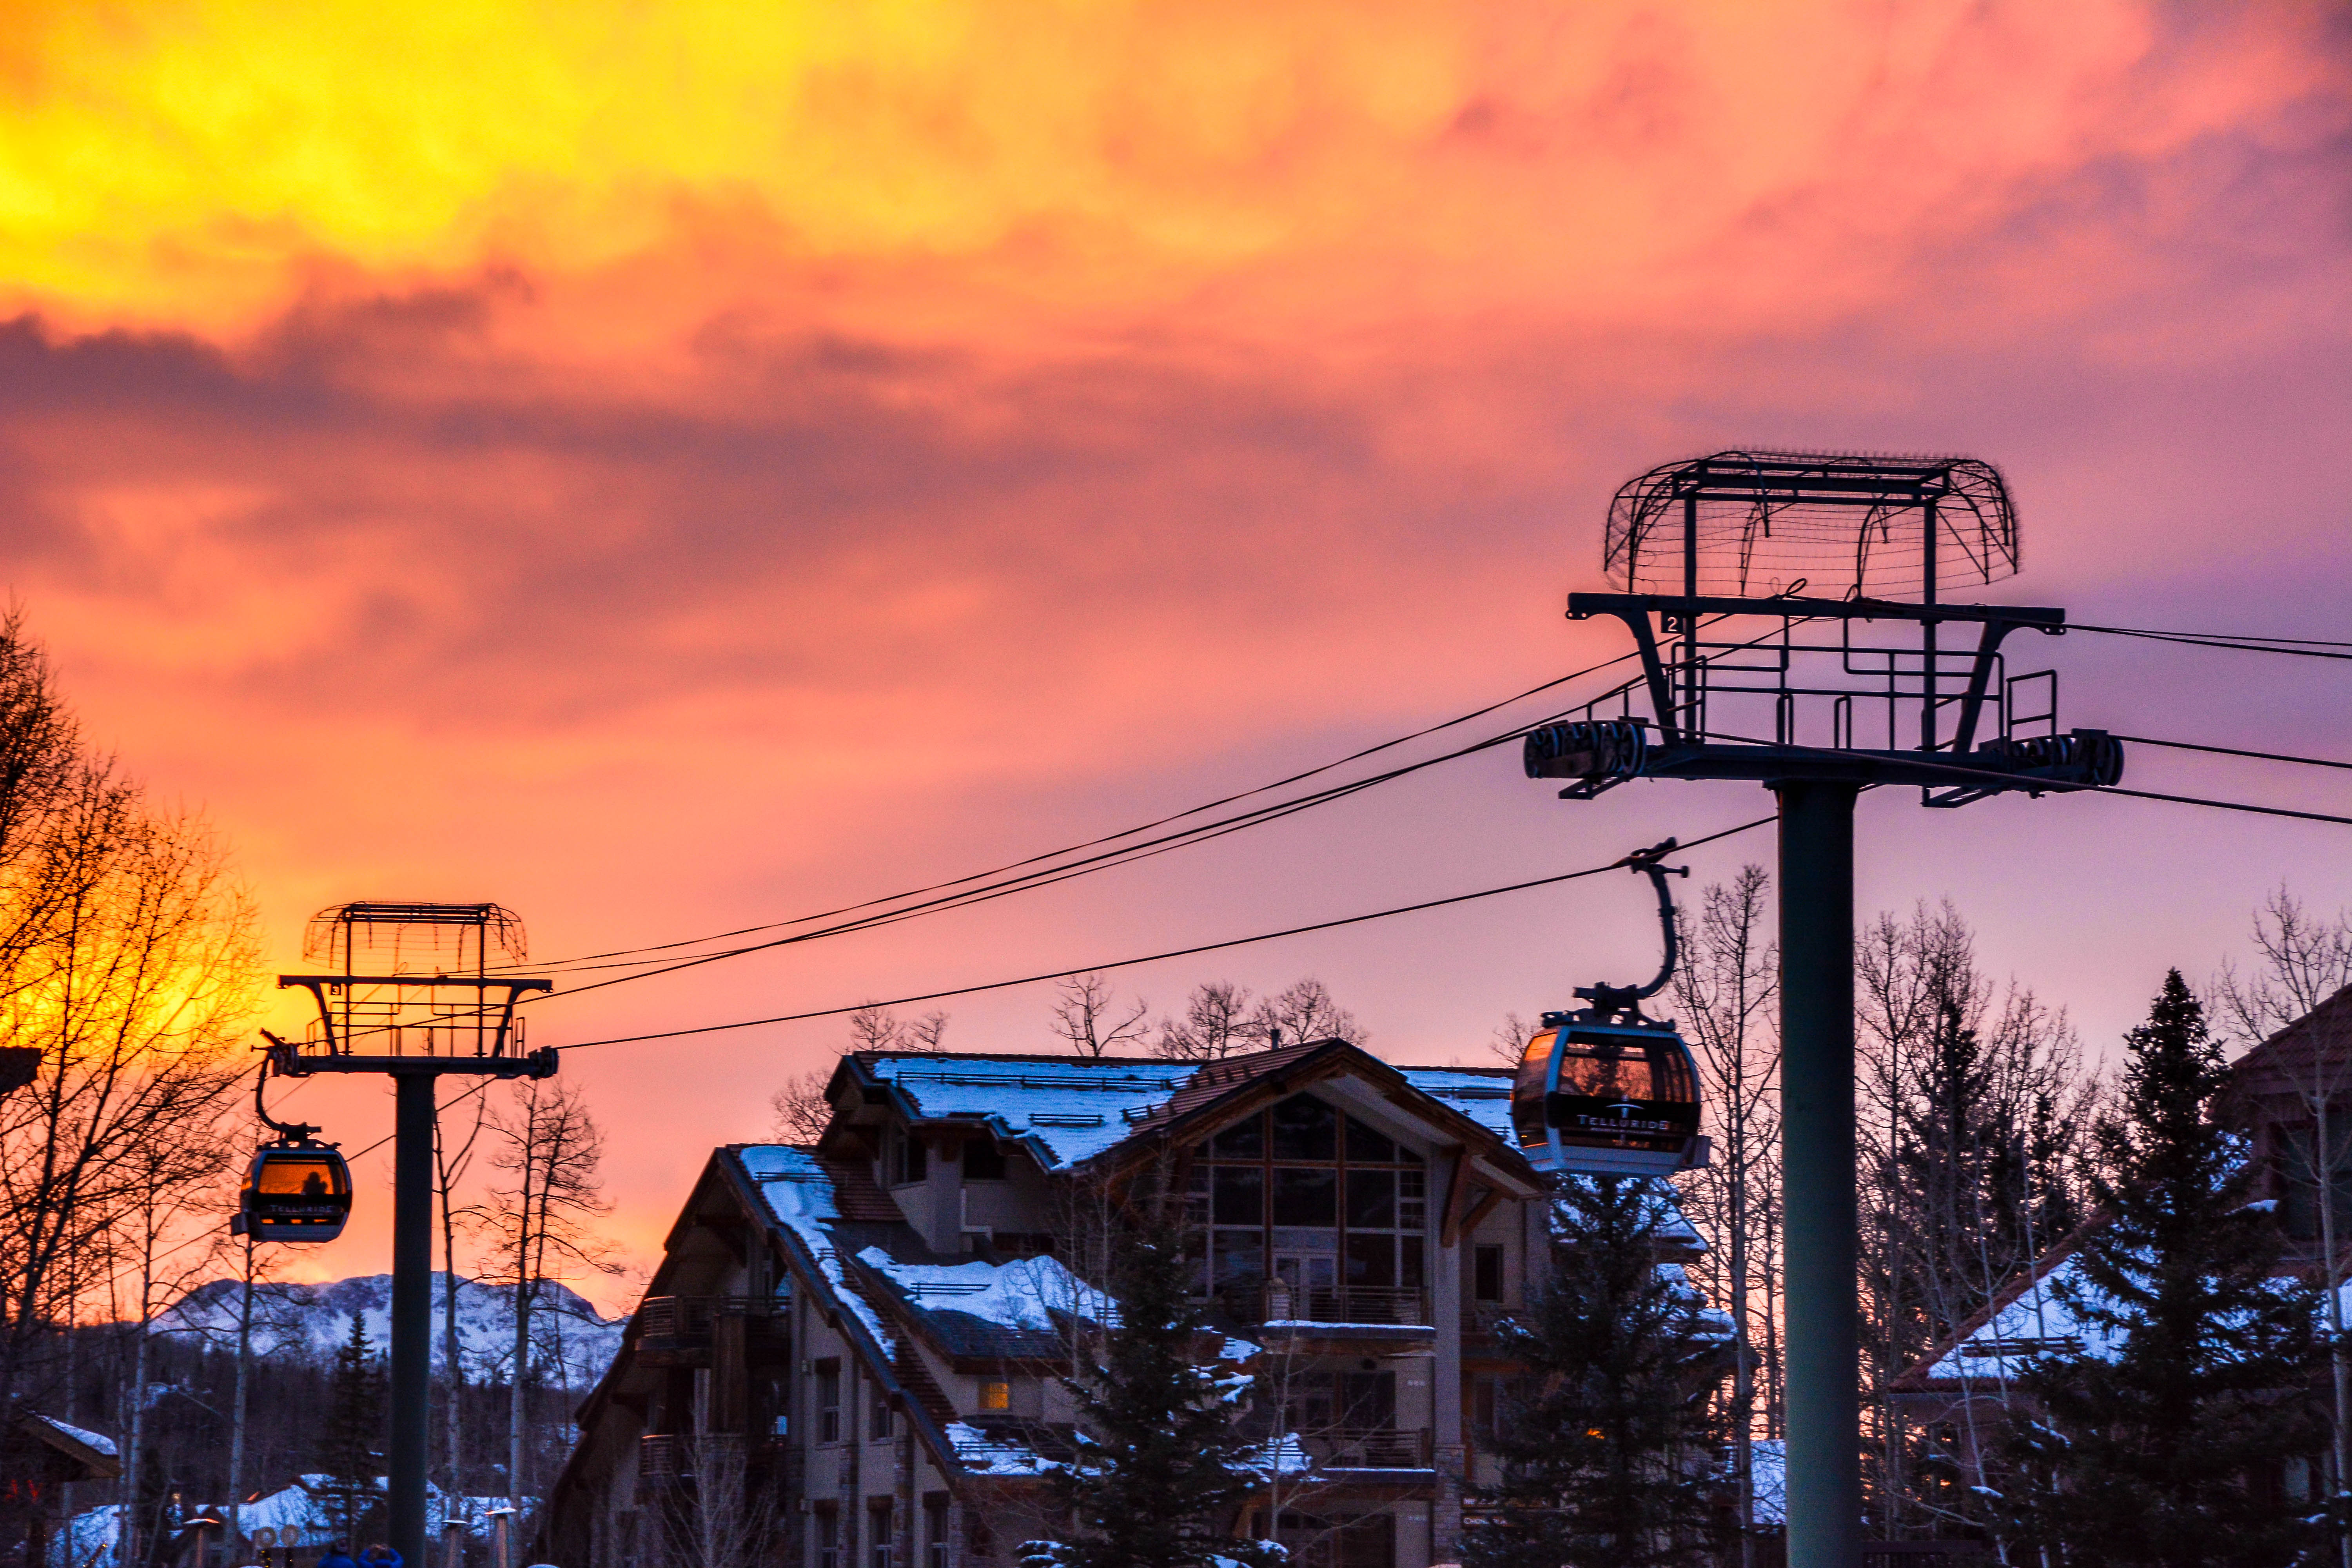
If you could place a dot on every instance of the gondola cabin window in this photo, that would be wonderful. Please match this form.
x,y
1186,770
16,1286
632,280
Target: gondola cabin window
x,y
1301,1206
1619,1098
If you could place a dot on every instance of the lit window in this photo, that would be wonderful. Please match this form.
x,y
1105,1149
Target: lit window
x,y
995,1393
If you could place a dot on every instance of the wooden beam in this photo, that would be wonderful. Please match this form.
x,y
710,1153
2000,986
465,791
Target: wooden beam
x,y
1481,1209
1457,1184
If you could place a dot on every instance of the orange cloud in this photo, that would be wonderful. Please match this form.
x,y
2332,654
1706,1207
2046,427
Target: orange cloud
x,y
204,163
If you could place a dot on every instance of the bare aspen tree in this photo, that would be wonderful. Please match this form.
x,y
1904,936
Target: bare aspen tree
x,y
1974,1107
128,962
174,1181
875,1028
541,1226
1089,1014
801,1110
802,1113
1223,1019
1216,1024
2304,962
1509,1040
1304,1011
1727,994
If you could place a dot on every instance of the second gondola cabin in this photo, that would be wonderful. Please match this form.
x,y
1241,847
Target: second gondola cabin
x,y
295,1193
1614,1098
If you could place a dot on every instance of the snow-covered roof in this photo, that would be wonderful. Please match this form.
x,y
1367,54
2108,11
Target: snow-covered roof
x,y
995,1453
2036,1322
1070,1110
82,1435
1483,1097
798,1191
1025,1293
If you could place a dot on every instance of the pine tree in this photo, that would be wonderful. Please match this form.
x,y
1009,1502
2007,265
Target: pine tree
x,y
1161,1465
351,1446
2161,1443
1616,1460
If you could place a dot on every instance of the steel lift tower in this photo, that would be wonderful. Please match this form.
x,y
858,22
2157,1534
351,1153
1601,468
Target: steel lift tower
x,y
400,1000
1828,547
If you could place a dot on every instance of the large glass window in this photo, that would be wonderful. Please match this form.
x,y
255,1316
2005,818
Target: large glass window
x,y
1308,1196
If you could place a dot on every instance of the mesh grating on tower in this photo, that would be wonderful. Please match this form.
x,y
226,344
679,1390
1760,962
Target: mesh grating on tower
x,y
1839,526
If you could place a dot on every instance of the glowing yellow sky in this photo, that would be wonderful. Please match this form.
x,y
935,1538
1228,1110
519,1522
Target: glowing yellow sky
x,y
200,164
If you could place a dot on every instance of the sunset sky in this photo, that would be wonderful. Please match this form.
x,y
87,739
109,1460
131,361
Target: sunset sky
x,y
666,468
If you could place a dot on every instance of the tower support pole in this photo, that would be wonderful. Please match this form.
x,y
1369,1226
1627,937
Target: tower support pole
x,y
1817,1068
412,1311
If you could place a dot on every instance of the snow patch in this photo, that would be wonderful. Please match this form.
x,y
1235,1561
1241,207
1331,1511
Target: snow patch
x,y
1024,1294
82,1435
799,1193
986,1454
1069,1111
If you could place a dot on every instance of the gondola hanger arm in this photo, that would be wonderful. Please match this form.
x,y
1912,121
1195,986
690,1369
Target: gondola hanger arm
x,y
1650,863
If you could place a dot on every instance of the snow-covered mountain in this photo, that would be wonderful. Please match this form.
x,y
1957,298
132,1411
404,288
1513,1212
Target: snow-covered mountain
x,y
313,1321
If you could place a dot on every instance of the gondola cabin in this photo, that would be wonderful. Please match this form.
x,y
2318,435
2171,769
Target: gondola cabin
x,y
297,1193
1618,1100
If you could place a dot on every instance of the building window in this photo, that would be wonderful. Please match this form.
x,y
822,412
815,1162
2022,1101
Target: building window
x,y
1304,1195
877,1533
877,1414
978,1540
828,1400
984,1160
996,1394
935,1530
827,1523
909,1160
1486,1273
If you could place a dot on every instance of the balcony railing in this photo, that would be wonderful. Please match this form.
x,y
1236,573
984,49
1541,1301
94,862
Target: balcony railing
x,y
1480,1317
1382,1449
1276,1302
674,1325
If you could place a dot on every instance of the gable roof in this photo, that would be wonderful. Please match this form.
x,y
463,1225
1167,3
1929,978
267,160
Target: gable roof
x,y
2315,1051
1067,1110
1073,1111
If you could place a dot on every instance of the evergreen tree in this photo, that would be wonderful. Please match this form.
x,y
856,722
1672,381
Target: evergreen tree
x,y
350,1449
1617,1459
1161,1465
2160,1443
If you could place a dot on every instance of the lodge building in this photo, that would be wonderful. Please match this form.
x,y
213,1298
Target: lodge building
x,y
851,1353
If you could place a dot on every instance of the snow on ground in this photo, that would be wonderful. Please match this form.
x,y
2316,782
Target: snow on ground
x,y
294,1514
1769,1463
314,1321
